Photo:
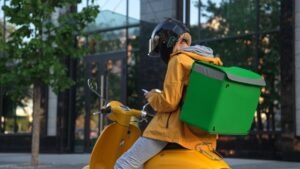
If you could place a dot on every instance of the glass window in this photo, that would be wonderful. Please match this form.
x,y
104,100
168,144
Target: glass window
x,y
195,11
269,14
107,41
229,27
134,9
235,52
113,15
269,67
111,40
222,18
114,6
110,20
114,69
80,107
15,117
107,37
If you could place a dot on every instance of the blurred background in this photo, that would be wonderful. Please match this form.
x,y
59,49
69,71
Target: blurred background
x,y
260,35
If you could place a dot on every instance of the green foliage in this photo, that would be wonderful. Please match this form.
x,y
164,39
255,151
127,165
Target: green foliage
x,y
236,18
38,47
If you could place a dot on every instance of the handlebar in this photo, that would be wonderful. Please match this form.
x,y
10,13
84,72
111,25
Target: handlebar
x,y
117,107
93,86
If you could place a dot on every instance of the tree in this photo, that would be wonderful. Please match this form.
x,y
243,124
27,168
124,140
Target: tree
x,y
35,51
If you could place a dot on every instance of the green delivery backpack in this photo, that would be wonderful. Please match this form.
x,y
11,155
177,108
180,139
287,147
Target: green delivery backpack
x,y
221,100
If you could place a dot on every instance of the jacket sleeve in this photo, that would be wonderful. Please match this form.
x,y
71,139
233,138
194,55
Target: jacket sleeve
x,y
168,100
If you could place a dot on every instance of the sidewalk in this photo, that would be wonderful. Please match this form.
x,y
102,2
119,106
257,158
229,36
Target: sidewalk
x,y
47,161
77,161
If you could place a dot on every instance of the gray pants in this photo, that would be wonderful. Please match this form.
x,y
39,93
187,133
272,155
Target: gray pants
x,y
141,151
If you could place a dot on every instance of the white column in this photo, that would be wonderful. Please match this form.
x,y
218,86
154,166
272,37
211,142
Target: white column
x,y
52,97
297,65
52,113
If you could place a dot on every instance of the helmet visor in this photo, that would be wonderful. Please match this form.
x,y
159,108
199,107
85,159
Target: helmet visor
x,y
153,46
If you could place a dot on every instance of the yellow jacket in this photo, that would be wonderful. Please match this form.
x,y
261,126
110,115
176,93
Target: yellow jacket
x,y
166,124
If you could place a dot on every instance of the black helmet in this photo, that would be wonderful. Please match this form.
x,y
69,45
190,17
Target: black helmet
x,y
164,37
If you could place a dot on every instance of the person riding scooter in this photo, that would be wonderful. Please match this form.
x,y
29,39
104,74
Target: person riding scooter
x,y
171,41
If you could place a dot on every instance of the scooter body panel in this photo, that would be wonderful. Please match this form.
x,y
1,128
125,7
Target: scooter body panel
x,y
111,144
119,136
187,159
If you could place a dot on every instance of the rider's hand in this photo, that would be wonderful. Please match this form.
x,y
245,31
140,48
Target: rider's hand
x,y
148,94
151,93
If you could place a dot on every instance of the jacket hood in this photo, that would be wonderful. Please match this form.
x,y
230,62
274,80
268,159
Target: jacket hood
x,y
198,50
200,53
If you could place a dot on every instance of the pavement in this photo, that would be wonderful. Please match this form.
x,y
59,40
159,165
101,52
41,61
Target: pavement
x,y
46,161
77,161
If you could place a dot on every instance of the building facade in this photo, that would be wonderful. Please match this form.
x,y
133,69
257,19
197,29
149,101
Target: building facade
x,y
260,35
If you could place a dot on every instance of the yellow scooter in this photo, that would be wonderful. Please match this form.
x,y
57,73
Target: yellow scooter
x,y
117,137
